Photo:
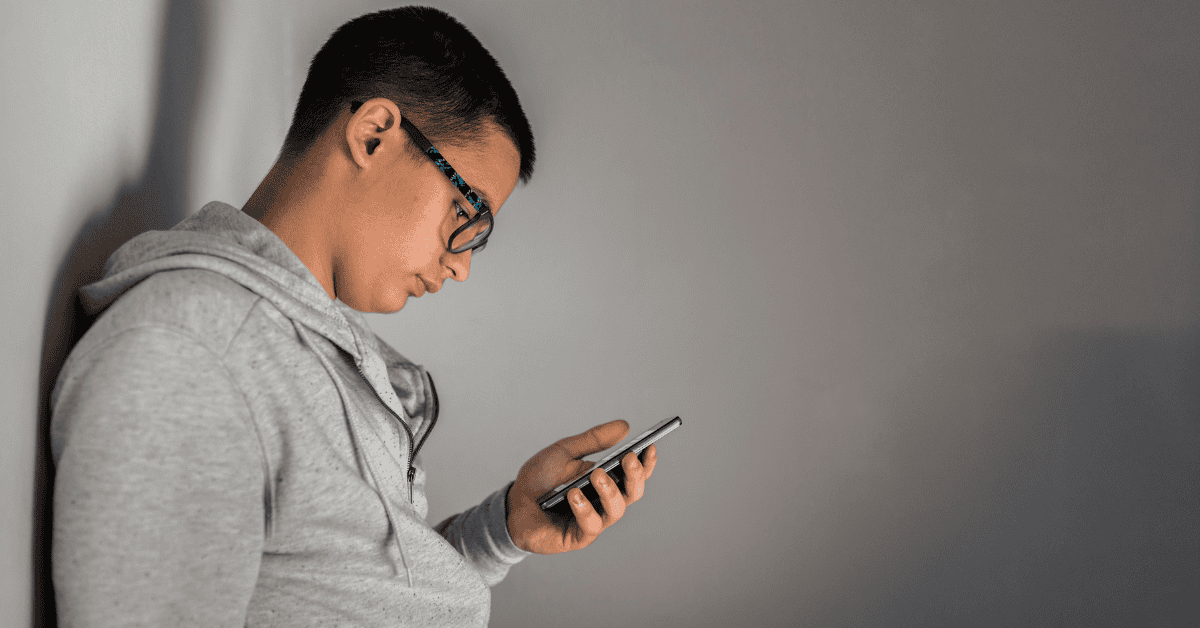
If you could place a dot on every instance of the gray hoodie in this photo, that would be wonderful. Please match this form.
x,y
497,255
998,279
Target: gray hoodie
x,y
235,448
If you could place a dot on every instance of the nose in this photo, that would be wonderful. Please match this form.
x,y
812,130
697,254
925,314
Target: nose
x,y
459,264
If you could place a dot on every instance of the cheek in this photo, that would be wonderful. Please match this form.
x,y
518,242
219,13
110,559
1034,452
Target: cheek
x,y
382,273
413,244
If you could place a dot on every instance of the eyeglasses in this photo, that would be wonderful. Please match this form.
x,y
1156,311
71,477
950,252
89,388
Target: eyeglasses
x,y
474,233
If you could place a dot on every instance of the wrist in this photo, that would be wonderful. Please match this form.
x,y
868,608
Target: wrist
x,y
508,516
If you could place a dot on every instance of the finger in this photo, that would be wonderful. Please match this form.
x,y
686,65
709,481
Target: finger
x,y
545,471
611,498
649,459
596,439
635,480
587,521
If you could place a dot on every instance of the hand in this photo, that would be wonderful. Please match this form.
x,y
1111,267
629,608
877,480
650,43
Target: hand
x,y
533,530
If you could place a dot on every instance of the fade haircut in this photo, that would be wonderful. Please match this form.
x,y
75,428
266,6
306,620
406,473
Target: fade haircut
x,y
426,62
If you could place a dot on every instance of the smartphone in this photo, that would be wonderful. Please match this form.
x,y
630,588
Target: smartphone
x,y
556,501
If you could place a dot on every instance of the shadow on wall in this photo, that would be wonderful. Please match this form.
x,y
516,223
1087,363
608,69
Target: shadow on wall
x,y
154,200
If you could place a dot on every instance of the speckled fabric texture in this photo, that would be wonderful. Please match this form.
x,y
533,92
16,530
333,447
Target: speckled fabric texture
x,y
232,448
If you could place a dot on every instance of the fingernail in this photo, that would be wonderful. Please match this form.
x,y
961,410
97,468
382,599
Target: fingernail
x,y
578,499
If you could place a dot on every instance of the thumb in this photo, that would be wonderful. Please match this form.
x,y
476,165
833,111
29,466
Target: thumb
x,y
596,439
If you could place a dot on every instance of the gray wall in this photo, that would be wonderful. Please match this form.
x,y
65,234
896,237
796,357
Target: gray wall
x,y
921,278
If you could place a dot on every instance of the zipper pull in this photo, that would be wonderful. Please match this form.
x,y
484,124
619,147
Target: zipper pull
x,y
412,473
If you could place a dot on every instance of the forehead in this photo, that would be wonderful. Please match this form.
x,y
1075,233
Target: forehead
x,y
490,165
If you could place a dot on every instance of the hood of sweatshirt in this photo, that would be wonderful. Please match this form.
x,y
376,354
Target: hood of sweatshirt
x,y
222,239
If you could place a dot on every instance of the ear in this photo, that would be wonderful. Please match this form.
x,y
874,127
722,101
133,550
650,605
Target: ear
x,y
373,130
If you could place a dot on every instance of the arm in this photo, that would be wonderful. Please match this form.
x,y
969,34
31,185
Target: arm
x,y
480,534
158,504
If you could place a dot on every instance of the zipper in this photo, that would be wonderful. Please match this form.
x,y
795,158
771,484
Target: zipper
x,y
412,470
437,408
412,452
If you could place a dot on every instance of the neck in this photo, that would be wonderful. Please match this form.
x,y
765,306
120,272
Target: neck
x,y
291,202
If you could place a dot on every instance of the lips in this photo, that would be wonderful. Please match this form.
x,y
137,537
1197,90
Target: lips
x,y
425,286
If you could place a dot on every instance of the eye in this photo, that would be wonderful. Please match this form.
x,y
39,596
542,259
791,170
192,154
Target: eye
x,y
459,212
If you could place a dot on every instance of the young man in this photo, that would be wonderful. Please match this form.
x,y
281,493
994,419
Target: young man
x,y
233,445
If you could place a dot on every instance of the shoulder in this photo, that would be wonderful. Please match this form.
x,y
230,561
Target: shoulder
x,y
205,307
188,312
153,361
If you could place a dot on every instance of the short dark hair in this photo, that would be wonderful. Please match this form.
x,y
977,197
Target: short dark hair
x,y
426,62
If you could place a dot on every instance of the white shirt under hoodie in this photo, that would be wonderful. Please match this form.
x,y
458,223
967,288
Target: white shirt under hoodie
x,y
234,448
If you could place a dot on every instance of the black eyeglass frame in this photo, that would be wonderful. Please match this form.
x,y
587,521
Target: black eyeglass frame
x,y
482,210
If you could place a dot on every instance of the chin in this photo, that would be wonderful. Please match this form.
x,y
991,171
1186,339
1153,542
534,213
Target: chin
x,y
393,303
383,304
388,305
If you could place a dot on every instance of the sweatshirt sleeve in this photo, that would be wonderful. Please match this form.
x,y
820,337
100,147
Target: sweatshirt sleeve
x,y
158,498
480,534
